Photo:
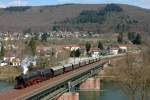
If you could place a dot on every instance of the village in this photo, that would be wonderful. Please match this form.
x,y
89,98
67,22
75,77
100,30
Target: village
x,y
39,50
74,50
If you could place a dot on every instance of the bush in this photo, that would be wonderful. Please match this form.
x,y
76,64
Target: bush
x,y
75,53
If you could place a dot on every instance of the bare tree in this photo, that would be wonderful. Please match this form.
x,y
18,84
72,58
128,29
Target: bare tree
x,y
133,75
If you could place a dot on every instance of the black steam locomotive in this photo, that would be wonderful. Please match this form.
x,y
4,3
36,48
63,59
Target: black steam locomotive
x,y
23,81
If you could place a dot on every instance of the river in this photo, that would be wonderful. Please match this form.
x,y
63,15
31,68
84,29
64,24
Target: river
x,y
4,86
108,92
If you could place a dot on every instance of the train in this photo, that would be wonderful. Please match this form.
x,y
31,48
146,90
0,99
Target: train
x,y
35,77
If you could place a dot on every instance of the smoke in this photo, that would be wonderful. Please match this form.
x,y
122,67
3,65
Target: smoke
x,y
25,64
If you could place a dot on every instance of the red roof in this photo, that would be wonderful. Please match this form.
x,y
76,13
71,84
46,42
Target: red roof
x,y
94,49
41,48
123,46
114,46
71,46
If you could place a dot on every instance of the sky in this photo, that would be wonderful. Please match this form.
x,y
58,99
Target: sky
x,y
8,3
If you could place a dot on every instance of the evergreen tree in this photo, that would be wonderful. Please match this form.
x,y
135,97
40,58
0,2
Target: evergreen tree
x,y
131,36
32,45
72,54
120,38
56,28
88,47
2,52
44,37
138,39
77,53
100,45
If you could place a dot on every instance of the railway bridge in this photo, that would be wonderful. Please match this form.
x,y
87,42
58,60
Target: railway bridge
x,y
54,87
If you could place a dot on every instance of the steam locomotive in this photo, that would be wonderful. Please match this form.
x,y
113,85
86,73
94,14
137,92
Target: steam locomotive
x,y
23,81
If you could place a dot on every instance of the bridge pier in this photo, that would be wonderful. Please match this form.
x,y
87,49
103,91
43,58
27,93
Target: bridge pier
x,y
91,84
69,96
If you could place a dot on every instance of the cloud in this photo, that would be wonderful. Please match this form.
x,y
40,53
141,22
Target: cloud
x,y
142,3
13,3
145,2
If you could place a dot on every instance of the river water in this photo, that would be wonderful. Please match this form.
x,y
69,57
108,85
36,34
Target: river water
x,y
4,86
108,92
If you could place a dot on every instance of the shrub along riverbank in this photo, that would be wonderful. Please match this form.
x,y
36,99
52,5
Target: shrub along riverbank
x,y
8,73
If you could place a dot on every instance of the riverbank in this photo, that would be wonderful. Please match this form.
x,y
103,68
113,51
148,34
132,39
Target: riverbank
x,y
8,73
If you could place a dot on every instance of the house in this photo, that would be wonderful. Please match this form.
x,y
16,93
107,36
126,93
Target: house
x,y
71,47
123,48
16,62
46,50
114,50
12,60
3,63
9,58
95,52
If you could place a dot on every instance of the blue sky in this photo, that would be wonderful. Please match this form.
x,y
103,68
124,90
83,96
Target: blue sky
x,y
8,3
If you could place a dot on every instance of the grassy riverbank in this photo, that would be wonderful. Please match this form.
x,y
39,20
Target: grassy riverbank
x,y
8,73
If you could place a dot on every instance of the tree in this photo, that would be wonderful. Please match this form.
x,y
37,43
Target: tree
x,y
131,36
132,75
32,45
72,53
138,39
112,8
87,46
75,53
56,28
2,52
44,37
43,62
100,45
120,38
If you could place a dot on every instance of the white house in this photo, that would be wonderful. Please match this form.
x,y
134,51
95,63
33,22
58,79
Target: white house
x,y
3,64
114,50
10,59
16,62
72,47
123,48
94,52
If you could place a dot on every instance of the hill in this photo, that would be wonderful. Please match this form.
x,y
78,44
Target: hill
x,y
90,17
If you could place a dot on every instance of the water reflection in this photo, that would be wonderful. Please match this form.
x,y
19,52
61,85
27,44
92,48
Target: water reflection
x,y
109,92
